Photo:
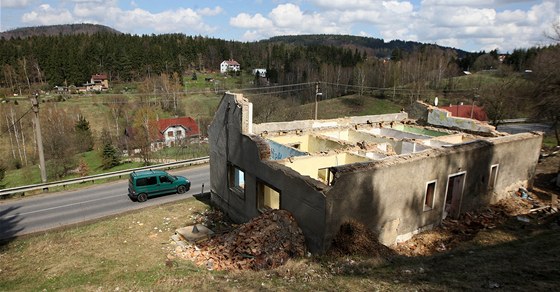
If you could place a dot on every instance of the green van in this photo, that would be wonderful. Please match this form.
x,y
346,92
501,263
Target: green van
x,y
148,183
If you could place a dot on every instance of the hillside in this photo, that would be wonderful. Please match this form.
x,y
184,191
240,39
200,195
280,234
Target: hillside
x,y
373,46
55,30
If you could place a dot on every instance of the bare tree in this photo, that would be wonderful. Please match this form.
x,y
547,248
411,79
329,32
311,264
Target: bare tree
x,y
546,77
145,131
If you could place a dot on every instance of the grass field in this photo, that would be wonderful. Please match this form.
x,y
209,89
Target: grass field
x,y
133,252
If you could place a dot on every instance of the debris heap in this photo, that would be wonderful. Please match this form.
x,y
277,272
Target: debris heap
x,y
265,242
520,207
354,238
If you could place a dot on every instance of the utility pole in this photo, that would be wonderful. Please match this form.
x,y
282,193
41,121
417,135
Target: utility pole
x,y
35,103
472,107
317,94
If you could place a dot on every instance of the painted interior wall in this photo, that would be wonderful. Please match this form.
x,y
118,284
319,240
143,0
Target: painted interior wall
x,y
418,130
310,165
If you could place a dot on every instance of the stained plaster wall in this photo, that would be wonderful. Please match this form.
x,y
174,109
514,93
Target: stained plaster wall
x,y
303,197
441,117
388,196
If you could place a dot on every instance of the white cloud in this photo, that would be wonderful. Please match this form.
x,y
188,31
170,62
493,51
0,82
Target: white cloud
x,y
14,3
473,25
137,20
46,15
285,19
345,4
244,20
209,11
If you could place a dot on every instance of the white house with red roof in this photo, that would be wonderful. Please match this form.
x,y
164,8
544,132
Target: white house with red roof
x,y
176,130
229,65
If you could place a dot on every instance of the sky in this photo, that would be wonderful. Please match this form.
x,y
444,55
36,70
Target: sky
x,y
471,25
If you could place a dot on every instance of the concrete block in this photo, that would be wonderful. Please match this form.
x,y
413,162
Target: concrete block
x,y
192,234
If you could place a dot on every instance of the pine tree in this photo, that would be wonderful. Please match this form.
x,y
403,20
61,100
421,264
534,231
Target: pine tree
x,y
84,136
109,154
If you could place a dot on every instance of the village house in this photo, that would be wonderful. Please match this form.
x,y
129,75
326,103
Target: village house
x,y
386,171
466,111
176,131
229,65
260,71
98,82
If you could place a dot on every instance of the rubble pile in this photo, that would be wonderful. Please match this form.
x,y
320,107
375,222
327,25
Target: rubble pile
x,y
454,231
354,238
265,242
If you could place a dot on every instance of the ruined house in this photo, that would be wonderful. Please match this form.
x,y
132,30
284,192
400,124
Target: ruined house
x,y
396,177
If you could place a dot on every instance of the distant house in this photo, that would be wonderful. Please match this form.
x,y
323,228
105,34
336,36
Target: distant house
x,y
464,111
229,65
174,131
98,82
260,71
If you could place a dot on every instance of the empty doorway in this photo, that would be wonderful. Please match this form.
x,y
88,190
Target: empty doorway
x,y
454,194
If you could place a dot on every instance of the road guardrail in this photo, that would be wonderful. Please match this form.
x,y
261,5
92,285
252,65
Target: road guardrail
x,y
93,178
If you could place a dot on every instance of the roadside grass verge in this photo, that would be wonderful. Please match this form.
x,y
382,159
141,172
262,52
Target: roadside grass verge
x,y
31,174
132,252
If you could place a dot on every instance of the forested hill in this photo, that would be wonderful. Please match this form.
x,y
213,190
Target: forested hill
x,y
373,46
70,54
55,30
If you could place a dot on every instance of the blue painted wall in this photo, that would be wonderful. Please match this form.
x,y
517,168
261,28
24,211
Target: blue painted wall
x,y
279,151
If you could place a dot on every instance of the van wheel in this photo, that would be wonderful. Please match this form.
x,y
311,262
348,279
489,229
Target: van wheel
x,y
181,189
142,197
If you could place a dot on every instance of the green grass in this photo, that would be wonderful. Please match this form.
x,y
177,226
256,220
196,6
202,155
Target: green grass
x,y
31,174
128,253
549,141
346,106
187,152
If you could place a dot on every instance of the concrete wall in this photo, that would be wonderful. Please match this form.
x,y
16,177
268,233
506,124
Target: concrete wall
x,y
303,197
388,196
441,117
313,124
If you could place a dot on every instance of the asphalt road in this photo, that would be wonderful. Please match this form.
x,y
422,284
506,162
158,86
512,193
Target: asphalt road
x,y
51,210
516,128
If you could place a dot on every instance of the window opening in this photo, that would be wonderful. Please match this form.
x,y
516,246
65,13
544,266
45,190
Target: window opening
x,y
429,195
493,176
236,177
325,175
268,197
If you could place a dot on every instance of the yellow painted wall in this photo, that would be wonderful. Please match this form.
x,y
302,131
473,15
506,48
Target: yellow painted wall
x,y
310,165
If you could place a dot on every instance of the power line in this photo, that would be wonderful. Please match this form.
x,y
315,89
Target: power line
x,y
14,124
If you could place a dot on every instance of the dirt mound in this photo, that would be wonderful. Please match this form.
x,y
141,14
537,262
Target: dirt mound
x,y
265,242
354,238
